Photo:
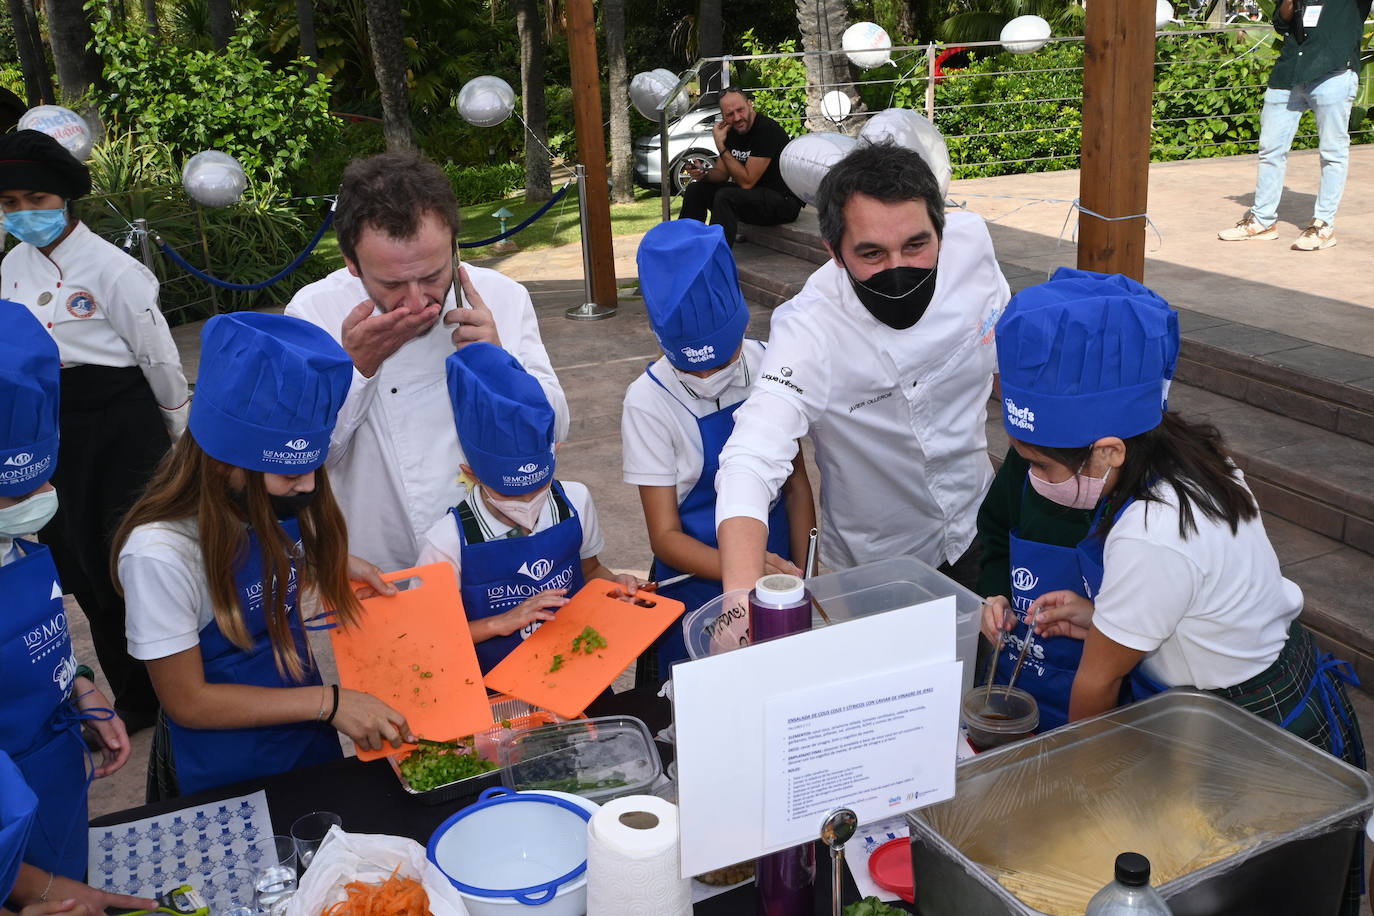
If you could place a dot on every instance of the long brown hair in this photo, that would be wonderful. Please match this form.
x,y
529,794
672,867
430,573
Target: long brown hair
x,y
188,483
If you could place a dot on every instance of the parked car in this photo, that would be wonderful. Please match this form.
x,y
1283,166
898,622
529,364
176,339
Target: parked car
x,y
689,137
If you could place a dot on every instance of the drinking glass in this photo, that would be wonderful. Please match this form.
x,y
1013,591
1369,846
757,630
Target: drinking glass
x,y
308,832
229,892
274,859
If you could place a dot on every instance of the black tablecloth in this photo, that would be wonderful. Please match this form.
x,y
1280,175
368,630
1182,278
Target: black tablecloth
x,y
370,800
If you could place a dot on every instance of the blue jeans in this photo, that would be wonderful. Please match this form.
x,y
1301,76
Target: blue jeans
x,y
1329,99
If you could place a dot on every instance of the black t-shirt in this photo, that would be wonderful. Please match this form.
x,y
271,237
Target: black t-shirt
x,y
766,138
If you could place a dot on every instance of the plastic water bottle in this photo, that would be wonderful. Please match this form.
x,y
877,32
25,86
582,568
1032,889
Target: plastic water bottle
x,y
1130,894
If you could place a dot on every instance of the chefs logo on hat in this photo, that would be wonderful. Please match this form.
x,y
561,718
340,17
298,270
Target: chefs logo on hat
x,y
1022,417
699,354
81,304
19,460
529,475
536,570
22,466
528,468
300,453
299,445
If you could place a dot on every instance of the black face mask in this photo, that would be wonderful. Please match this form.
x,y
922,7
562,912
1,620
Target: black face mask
x,y
898,296
282,506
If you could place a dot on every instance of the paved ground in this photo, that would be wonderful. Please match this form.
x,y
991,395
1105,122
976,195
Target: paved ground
x,y
1324,297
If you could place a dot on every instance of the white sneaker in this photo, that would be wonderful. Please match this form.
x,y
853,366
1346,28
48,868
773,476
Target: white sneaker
x,y
1318,235
1248,229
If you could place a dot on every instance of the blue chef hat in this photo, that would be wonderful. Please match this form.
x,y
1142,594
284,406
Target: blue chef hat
x,y
691,291
269,390
1083,356
504,420
29,368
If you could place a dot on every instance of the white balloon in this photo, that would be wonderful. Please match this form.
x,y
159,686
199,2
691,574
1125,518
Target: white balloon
x,y
835,106
806,159
63,125
1025,34
1164,13
912,130
649,88
486,101
867,45
213,178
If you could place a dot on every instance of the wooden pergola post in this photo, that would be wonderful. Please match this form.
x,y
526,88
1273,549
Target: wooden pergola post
x,y
1118,83
591,147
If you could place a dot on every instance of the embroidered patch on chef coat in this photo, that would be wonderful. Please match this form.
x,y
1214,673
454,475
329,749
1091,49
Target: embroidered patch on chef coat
x,y
81,304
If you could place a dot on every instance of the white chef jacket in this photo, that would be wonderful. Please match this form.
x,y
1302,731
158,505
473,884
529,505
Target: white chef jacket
x,y
896,416
101,307
394,456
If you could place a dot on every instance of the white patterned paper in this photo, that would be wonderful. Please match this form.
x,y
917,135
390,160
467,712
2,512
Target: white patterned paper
x,y
152,856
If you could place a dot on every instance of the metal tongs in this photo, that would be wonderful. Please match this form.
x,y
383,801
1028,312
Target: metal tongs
x,y
809,570
1020,659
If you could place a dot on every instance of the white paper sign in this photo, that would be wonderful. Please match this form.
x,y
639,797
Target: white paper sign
x,y
719,709
1311,15
881,744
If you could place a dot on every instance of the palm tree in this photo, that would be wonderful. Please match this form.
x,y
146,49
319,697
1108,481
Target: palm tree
x,y
221,23
305,23
29,44
530,27
389,62
618,85
822,23
709,42
982,20
77,64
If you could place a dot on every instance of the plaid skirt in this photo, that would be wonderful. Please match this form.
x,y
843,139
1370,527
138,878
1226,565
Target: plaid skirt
x,y
1305,694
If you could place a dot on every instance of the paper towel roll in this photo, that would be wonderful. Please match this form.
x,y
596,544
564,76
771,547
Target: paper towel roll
x,y
632,860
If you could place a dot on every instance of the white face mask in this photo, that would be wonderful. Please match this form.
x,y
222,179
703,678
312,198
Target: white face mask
x,y
28,516
525,513
713,386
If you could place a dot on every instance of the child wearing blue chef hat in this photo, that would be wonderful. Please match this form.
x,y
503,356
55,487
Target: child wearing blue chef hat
x,y
237,522
45,697
1178,584
679,413
520,541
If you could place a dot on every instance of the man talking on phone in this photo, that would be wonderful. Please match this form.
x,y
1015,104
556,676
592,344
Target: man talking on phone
x,y
399,307
745,183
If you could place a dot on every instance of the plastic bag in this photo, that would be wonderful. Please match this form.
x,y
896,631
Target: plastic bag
x,y
370,857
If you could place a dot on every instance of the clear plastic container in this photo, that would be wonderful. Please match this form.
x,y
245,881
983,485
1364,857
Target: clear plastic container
x,y
598,759
1130,894
998,715
897,582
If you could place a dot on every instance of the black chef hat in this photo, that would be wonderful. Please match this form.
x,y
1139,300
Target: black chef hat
x,y
30,160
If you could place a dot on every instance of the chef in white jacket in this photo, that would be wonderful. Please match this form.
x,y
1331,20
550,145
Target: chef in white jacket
x,y
394,451
886,359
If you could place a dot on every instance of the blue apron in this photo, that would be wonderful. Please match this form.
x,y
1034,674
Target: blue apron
x,y
206,758
498,575
18,808
39,727
1048,671
697,515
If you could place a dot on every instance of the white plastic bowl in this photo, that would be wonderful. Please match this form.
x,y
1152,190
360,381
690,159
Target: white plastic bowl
x,y
517,851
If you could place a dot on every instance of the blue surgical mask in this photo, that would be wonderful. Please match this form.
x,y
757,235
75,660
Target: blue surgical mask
x,y
39,228
28,516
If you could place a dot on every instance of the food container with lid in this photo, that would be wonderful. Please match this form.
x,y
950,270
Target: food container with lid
x,y
517,852
1235,814
599,759
996,715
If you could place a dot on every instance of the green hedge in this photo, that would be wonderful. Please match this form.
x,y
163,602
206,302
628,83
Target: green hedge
x,y
476,184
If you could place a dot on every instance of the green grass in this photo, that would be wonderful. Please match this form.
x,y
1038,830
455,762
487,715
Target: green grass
x,y
560,226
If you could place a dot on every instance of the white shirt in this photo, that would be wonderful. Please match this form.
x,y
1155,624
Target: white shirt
x,y
101,307
658,432
394,456
1210,611
443,545
166,595
896,416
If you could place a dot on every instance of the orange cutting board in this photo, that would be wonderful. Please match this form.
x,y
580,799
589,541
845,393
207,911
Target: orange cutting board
x,y
628,629
413,651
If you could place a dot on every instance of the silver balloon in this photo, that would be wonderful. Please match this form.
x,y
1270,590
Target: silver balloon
x,y
63,125
835,106
805,161
213,178
486,101
912,130
1025,34
649,88
867,45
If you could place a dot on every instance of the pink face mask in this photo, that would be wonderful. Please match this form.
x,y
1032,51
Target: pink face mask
x,y
1077,492
524,512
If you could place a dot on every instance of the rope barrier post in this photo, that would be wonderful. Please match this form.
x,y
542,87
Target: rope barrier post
x,y
145,249
589,310
930,83
665,187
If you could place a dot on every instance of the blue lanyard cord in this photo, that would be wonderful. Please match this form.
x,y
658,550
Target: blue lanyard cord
x,y
309,622
68,719
1330,698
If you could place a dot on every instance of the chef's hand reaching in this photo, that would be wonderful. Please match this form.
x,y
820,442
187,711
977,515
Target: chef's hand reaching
x,y
369,721
1061,613
472,324
107,726
628,585
367,579
535,609
370,339
998,619
776,565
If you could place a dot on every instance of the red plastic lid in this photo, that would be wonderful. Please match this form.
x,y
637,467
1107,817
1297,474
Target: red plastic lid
x,y
890,866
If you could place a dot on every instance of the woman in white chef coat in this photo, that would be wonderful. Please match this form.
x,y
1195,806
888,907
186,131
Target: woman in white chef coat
x,y
123,392
1180,585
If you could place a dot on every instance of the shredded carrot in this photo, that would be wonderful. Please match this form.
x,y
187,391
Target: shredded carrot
x,y
396,896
